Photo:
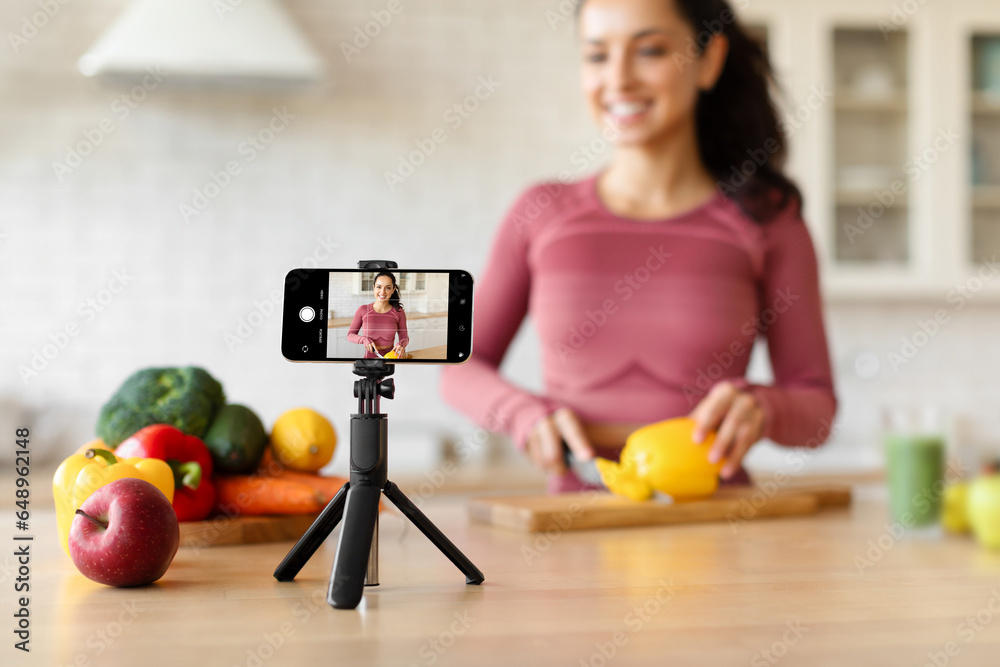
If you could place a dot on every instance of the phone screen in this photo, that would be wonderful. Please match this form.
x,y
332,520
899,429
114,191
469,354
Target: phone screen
x,y
400,315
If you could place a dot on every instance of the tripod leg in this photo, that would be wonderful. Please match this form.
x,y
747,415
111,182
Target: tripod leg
x,y
313,538
347,580
420,520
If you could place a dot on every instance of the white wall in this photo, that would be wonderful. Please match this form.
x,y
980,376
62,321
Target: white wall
x,y
317,190
319,184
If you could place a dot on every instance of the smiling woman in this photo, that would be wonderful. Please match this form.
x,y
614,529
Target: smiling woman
x,y
683,76
646,280
375,325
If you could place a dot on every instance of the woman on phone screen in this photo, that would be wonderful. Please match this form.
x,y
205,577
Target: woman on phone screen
x,y
376,325
649,281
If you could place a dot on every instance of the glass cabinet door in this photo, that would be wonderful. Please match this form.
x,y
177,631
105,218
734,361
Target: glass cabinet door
x,y
870,147
985,147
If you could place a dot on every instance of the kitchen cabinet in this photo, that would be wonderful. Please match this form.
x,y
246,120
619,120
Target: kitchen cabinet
x,y
893,111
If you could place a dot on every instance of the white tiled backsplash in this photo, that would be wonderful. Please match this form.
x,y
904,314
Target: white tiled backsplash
x,y
167,290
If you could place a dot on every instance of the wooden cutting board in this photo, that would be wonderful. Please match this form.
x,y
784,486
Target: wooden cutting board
x,y
582,511
244,530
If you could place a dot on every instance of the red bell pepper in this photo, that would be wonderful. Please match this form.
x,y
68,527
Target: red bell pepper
x,y
187,456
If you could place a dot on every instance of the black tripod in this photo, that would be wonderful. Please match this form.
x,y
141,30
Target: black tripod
x,y
357,502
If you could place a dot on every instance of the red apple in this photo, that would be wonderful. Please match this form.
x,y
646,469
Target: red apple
x,y
124,534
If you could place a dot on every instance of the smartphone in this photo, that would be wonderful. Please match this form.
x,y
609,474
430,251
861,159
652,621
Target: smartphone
x,y
350,314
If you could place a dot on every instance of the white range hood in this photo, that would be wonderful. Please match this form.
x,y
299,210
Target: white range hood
x,y
205,42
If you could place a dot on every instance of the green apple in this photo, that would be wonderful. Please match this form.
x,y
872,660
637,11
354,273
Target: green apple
x,y
954,503
983,507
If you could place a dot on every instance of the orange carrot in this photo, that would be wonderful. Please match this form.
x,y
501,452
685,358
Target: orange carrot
x,y
326,486
254,495
268,465
271,467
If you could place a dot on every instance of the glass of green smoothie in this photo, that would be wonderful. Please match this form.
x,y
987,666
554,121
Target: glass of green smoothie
x,y
914,464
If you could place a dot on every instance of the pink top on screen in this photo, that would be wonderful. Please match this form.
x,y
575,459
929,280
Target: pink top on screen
x,y
379,328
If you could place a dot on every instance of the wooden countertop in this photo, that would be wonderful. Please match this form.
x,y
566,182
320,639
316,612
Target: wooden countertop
x,y
436,352
703,594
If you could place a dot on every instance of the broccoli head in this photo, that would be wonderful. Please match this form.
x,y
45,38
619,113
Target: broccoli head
x,y
186,398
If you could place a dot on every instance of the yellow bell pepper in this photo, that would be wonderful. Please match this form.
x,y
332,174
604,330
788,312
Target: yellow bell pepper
x,y
663,457
81,474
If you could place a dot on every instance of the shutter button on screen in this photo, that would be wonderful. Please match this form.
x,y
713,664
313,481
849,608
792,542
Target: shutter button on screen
x,y
307,314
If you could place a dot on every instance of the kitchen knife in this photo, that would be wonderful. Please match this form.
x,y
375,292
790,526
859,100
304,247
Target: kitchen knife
x,y
586,471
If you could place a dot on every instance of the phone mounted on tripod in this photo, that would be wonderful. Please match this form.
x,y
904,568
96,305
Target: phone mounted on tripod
x,y
356,504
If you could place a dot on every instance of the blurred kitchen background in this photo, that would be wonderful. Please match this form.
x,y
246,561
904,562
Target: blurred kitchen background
x,y
148,216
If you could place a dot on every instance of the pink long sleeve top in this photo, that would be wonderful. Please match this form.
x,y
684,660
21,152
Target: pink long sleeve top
x,y
379,328
639,319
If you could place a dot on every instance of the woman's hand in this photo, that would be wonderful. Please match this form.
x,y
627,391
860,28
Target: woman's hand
x,y
545,448
369,345
737,419
400,351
